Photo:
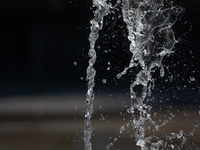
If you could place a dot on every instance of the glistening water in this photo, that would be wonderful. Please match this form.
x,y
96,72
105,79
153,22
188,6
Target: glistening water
x,y
149,24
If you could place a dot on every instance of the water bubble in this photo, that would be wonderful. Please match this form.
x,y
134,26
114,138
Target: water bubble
x,y
104,81
81,78
109,63
108,68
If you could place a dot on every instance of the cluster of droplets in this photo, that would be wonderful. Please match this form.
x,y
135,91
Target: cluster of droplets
x,y
149,24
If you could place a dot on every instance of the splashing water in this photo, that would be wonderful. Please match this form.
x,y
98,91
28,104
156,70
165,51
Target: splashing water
x,y
149,24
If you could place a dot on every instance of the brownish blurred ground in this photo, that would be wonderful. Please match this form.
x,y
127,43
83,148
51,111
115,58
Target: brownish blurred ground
x,y
57,123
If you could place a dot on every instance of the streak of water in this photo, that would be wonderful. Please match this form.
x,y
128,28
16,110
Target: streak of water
x,y
102,9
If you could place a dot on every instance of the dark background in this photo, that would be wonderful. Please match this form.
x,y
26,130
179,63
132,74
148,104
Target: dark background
x,y
41,40
42,92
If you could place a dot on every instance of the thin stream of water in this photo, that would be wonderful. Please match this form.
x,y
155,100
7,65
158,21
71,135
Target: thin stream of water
x,y
149,24
102,9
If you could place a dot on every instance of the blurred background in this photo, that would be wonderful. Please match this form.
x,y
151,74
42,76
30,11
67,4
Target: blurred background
x,y
43,60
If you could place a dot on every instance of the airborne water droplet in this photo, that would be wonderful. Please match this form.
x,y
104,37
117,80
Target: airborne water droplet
x,y
115,139
104,81
119,76
107,147
75,63
192,79
172,146
122,129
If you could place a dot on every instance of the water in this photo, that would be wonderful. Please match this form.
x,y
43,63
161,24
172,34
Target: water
x,y
149,24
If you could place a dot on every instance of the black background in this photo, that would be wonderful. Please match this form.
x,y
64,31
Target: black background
x,y
40,40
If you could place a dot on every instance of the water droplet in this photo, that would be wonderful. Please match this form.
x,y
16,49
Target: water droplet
x,y
180,134
192,79
172,146
119,76
191,134
128,125
122,129
115,139
81,78
162,72
107,147
108,68
157,127
75,63
75,107
104,81
111,144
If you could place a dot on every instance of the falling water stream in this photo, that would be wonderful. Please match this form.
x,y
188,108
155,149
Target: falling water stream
x,y
149,24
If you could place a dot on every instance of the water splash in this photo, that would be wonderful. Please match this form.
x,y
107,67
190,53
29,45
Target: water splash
x,y
149,24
